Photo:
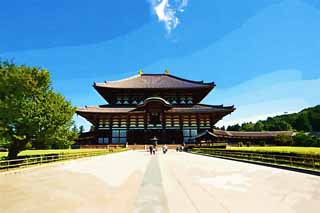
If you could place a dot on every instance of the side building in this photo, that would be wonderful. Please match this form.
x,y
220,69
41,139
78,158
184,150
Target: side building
x,y
149,106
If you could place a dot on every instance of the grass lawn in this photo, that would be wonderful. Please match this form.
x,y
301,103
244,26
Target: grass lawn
x,y
50,151
280,149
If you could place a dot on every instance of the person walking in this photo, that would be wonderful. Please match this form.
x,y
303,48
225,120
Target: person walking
x,y
150,149
154,149
164,149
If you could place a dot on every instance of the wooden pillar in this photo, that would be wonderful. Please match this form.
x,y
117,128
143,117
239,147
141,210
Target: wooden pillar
x,y
180,122
163,120
212,118
198,123
145,119
111,128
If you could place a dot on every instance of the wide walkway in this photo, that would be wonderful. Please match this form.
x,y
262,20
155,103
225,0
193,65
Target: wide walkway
x,y
134,181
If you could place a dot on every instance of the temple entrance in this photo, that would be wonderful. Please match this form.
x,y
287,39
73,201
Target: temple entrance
x,y
169,136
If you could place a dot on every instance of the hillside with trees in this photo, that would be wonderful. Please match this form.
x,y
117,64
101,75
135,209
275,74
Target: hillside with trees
x,y
307,120
306,123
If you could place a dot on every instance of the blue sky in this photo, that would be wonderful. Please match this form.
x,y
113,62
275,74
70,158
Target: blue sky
x,y
263,55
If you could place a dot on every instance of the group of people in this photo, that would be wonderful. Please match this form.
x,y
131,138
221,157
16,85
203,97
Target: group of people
x,y
153,149
180,148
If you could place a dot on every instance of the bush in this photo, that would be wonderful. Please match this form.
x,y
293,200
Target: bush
x,y
261,143
4,144
3,149
302,139
283,140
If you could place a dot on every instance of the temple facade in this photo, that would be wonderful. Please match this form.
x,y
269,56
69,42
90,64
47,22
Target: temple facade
x,y
149,106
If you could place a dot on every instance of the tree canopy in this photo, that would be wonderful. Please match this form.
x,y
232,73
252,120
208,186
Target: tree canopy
x,y
31,113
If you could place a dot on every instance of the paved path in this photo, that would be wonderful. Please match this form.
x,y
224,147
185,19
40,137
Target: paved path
x,y
134,181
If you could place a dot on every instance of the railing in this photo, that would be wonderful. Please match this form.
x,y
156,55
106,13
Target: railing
x,y
310,162
99,146
28,161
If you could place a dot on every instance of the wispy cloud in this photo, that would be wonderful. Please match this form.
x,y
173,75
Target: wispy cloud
x,y
167,11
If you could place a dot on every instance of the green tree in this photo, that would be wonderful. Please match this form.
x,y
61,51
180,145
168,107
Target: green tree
x,y
235,127
314,117
31,113
302,139
247,127
259,126
302,123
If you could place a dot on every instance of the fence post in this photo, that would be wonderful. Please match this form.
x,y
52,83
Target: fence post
x,y
313,164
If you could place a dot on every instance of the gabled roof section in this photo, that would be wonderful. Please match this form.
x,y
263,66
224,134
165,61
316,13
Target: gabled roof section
x,y
154,81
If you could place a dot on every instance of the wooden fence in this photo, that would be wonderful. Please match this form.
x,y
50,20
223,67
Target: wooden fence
x,y
307,161
42,159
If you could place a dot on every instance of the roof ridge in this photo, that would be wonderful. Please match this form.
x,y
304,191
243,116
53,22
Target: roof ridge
x,y
124,79
191,81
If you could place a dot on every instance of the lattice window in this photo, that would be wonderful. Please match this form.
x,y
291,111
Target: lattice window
x,y
119,136
168,120
115,122
185,121
103,140
193,120
123,122
140,121
133,121
176,121
188,134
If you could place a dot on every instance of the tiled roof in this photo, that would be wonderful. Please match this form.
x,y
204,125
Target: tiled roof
x,y
198,108
154,81
97,109
241,134
207,132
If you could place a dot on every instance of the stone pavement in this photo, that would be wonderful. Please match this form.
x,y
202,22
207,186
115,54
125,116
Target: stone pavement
x,y
134,181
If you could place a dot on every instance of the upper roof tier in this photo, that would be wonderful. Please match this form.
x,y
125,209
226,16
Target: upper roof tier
x,y
143,86
154,81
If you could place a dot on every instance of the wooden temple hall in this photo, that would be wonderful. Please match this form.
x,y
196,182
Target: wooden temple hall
x,y
148,106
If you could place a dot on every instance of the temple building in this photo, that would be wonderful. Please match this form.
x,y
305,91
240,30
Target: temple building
x,y
147,106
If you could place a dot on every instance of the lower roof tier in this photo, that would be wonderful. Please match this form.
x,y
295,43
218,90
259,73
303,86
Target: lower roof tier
x,y
93,113
196,108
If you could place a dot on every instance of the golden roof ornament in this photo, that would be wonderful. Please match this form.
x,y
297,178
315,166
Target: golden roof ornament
x,y
140,72
167,72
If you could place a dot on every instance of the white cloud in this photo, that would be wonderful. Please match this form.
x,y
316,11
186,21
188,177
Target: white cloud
x,y
167,11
